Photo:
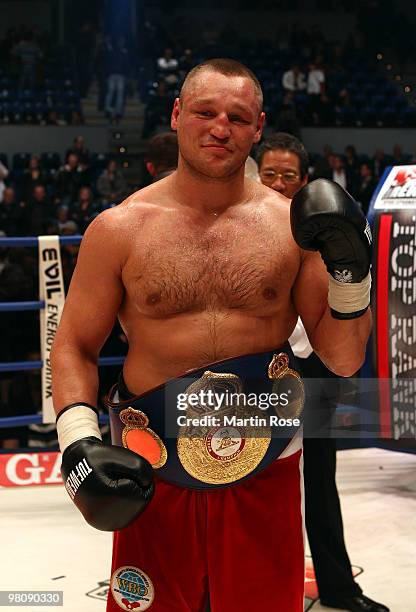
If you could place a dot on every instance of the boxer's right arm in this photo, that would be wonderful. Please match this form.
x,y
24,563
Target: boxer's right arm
x,y
111,486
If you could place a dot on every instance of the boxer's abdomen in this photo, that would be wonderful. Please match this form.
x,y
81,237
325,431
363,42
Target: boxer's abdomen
x,y
160,349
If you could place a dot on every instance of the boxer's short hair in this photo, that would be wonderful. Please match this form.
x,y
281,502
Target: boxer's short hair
x,y
285,142
228,67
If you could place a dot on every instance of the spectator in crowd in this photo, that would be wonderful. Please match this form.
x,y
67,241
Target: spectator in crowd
x,y
62,216
79,148
351,159
24,397
32,176
10,213
70,228
366,186
186,63
37,212
158,111
17,283
28,53
69,179
398,158
380,163
118,69
293,80
167,67
339,174
85,209
343,108
76,117
111,185
162,155
287,119
53,118
4,173
316,90
322,168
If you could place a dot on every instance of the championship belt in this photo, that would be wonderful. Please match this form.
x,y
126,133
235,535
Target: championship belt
x,y
225,453
220,443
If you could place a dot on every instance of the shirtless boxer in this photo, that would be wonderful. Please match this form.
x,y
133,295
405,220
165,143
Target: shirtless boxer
x,y
201,267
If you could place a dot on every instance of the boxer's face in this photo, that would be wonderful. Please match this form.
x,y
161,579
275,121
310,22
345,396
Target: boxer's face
x,y
217,120
280,170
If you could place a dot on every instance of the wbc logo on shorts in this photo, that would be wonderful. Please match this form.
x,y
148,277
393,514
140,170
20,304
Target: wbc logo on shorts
x,y
131,588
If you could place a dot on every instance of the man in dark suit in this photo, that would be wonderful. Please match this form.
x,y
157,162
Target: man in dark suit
x,y
283,166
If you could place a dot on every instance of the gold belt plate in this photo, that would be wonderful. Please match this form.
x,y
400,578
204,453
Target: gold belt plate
x,y
221,454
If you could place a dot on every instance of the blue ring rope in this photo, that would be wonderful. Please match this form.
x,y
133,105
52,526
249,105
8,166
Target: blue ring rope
x,y
33,241
36,419
16,366
19,306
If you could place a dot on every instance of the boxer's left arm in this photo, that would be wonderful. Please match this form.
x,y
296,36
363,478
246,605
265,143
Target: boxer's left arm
x,y
339,343
333,233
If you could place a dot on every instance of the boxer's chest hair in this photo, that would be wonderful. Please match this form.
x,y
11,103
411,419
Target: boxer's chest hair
x,y
226,266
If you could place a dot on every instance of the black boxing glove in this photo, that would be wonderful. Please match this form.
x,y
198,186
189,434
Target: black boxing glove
x,y
325,218
110,485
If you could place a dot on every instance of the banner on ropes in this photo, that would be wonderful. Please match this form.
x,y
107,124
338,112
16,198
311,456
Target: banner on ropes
x,y
52,292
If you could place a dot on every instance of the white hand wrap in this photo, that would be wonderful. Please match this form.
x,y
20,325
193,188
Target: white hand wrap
x,y
76,423
349,297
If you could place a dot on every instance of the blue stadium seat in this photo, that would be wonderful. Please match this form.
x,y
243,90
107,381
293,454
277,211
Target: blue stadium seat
x,y
26,95
6,94
408,116
378,100
50,160
28,112
390,89
70,95
5,83
4,159
17,111
367,116
359,100
99,161
40,109
399,103
7,114
368,89
21,161
388,115
345,116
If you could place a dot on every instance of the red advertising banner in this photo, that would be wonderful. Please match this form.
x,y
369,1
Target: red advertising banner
x,y
394,301
30,469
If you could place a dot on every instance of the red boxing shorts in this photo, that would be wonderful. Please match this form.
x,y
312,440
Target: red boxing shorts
x,y
243,544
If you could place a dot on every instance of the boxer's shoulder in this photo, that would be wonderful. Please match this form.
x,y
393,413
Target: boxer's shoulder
x,y
272,204
130,214
146,203
272,198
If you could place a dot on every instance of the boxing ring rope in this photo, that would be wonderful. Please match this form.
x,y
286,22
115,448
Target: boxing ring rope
x,y
18,366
